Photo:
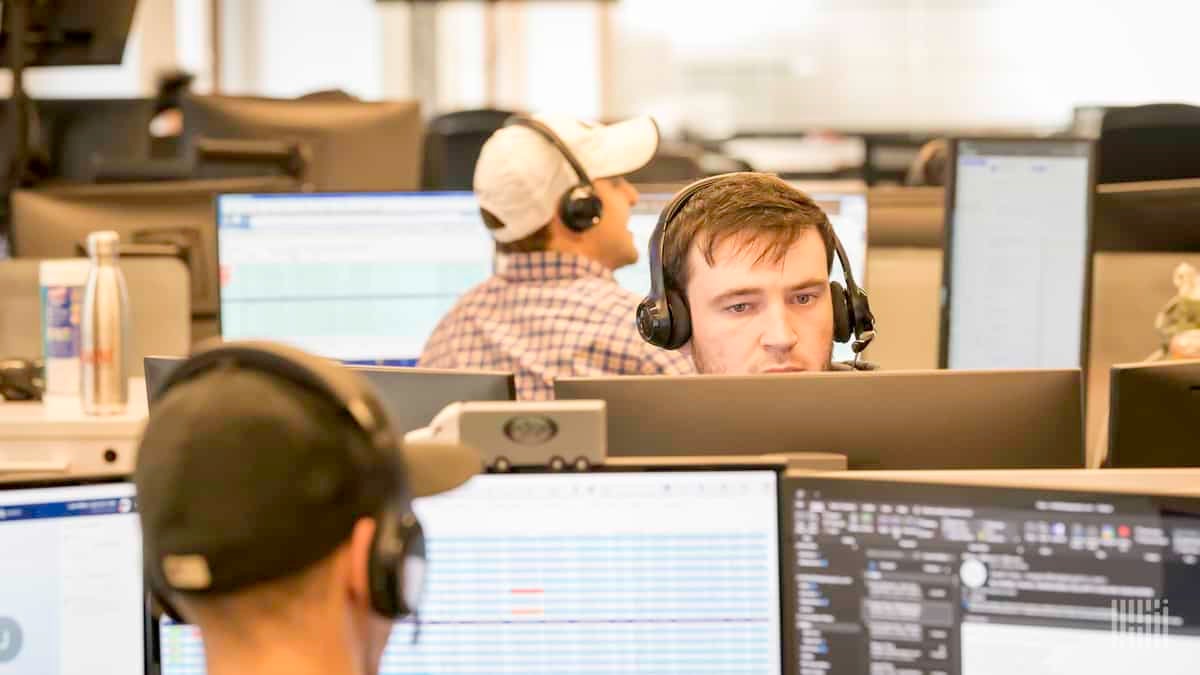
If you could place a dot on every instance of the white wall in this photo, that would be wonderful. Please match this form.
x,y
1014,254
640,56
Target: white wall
x,y
900,63
286,48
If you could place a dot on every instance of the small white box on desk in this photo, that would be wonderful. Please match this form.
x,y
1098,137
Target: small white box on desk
x,y
53,438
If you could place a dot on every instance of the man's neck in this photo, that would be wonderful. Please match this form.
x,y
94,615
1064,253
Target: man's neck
x,y
575,247
281,659
296,654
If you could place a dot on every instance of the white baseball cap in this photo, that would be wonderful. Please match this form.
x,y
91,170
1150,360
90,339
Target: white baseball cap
x,y
521,177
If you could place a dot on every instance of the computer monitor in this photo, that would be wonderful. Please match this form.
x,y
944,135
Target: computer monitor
x,y
411,396
602,572
71,594
895,576
1015,282
877,419
359,277
77,134
54,222
847,213
353,145
1161,215
642,219
1153,412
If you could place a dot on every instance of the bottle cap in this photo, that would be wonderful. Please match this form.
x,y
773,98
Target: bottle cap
x,y
103,243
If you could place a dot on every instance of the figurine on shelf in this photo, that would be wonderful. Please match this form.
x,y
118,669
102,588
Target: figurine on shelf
x,y
1179,321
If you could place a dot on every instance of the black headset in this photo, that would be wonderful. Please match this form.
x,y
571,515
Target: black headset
x,y
579,208
397,555
663,317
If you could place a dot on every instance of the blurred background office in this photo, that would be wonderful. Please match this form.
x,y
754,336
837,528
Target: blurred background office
x,y
703,68
852,100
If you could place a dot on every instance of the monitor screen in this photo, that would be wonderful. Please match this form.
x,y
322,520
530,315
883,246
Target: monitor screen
x,y
901,577
360,277
1018,254
847,213
71,595
597,572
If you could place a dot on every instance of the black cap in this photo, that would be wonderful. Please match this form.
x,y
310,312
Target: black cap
x,y
258,459
243,477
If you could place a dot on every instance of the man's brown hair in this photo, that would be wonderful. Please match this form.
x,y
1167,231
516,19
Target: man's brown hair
x,y
538,241
769,213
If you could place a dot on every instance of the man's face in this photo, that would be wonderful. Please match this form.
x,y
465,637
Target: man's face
x,y
752,316
611,239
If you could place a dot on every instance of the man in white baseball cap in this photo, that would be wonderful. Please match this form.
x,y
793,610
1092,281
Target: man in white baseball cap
x,y
553,197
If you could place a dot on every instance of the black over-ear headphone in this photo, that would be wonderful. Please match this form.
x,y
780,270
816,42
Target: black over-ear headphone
x,y
580,208
397,559
663,317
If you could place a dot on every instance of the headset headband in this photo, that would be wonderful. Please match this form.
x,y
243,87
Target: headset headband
x,y
547,133
658,285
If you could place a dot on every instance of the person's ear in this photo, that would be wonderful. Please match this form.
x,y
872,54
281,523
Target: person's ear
x,y
359,553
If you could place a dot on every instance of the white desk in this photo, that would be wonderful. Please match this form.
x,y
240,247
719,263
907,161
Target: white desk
x,y
54,438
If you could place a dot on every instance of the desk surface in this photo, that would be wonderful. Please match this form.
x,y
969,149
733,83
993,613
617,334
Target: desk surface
x,y
63,417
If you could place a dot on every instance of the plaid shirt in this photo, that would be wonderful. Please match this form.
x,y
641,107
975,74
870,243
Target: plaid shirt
x,y
545,315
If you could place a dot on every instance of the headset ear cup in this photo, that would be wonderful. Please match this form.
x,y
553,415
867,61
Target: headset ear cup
x,y
580,208
381,573
842,320
681,321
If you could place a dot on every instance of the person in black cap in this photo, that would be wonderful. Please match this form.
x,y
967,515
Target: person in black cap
x,y
275,508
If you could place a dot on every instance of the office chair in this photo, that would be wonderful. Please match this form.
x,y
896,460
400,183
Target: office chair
x,y
1160,141
452,145
673,163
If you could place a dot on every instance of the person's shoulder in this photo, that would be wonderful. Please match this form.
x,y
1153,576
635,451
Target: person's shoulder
x,y
608,295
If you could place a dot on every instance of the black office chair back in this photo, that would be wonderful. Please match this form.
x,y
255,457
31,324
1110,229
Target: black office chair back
x,y
1150,142
452,145
674,162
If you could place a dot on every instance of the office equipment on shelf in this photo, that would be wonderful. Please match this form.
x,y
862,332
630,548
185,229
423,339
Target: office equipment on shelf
x,y
71,578
53,438
1034,572
350,144
412,396
605,571
77,135
847,211
159,298
558,435
168,218
877,419
1154,408
1016,280
62,33
361,277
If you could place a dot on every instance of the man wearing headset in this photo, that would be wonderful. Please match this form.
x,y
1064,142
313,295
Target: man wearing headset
x,y
740,269
276,514
552,195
